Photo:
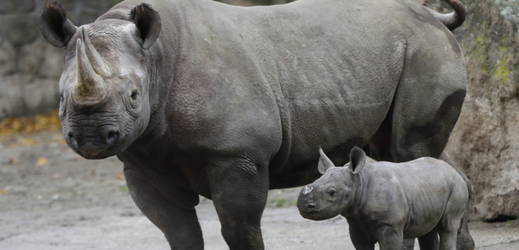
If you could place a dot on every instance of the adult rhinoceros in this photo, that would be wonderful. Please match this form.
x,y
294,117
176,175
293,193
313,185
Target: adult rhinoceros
x,y
201,98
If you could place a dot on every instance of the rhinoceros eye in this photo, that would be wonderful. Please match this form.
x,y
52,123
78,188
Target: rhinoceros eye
x,y
134,94
331,193
61,98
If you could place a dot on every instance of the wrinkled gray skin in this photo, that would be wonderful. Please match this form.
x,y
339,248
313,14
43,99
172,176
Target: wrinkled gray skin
x,y
386,202
202,98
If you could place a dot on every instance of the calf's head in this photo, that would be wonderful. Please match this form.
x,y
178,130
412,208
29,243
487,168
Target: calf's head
x,y
333,192
104,88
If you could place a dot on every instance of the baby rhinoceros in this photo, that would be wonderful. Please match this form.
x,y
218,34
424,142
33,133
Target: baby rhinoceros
x,y
386,202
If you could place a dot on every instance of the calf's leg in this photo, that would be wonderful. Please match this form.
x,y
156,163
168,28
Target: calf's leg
x,y
429,241
464,240
390,238
448,235
359,239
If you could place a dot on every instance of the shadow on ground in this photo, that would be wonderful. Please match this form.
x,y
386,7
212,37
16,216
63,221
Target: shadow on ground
x,y
51,198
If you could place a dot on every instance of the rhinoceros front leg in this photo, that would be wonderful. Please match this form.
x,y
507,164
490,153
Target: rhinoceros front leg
x,y
179,223
359,239
239,190
390,238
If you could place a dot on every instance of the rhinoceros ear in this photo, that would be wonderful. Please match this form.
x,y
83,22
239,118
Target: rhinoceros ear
x,y
55,26
147,25
357,159
324,162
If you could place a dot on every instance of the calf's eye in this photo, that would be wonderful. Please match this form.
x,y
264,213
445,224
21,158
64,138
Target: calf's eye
x,y
134,94
331,193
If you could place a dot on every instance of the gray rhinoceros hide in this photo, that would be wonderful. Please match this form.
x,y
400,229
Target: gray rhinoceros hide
x,y
388,202
202,98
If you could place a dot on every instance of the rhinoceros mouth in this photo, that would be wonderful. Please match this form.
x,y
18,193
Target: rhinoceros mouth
x,y
93,151
309,209
95,154
312,215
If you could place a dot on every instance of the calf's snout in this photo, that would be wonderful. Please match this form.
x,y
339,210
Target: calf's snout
x,y
306,202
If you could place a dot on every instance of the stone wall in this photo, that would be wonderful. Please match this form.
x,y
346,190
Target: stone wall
x,y
30,67
485,141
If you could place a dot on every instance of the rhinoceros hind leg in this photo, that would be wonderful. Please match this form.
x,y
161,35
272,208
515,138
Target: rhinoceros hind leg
x,y
464,240
448,235
419,135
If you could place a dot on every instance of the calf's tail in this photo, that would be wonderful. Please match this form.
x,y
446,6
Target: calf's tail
x,y
454,19
445,158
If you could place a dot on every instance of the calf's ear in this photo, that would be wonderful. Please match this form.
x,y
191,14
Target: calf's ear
x,y
324,162
147,25
55,26
357,159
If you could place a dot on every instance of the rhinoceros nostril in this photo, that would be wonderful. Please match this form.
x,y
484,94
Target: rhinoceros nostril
x,y
72,140
310,206
111,137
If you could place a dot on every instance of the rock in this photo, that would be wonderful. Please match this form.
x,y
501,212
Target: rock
x,y
19,29
485,141
31,58
16,6
11,96
52,65
29,67
7,58
69,5
41,96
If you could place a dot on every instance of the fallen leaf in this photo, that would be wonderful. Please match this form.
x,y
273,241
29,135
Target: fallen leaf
x,y
42,161
119,176
5,190
28,125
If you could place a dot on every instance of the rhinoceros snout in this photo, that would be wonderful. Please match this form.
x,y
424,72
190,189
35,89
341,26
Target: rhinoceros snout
x,y
306,201
309,207
92,142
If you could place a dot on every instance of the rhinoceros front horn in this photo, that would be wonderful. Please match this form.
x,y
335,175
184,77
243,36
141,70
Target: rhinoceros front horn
x,y
90,87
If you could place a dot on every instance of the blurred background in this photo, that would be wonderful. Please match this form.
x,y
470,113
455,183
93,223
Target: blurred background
x,y
484,143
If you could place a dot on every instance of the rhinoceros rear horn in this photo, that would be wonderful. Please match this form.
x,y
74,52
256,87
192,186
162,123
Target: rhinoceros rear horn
x,y
357,159
55,26
147,25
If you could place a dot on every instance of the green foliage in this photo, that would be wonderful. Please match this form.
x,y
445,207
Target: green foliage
x,y
502,72
283,202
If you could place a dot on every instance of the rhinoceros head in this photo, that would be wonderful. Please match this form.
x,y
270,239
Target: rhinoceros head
x,y
334,192
104,88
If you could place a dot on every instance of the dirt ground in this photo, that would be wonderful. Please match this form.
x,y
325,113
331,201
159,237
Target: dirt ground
x,y
51,198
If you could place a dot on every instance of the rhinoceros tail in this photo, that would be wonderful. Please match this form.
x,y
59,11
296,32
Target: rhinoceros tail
x,y
454,19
